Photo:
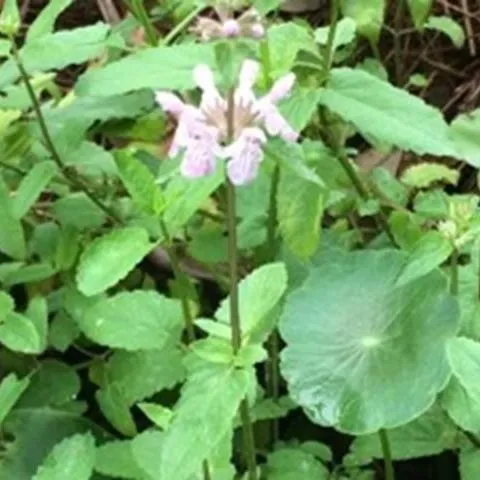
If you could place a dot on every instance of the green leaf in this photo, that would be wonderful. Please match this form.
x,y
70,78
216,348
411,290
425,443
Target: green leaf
x,y
140,183
266,6
368,16
464,135
419,11
56,51
45,21
7,305
29,274
300,210
344,34
63,332
461,407
469,464
299,107
139,375
31,187
464,357
449,27
53,384
214,350
78,211
12,238
114,406
140,320
259,293
285,40
73,458
203,416
379,110
428,435
115,459
108,259
348,328
431,250
293,463
156,68
10,19
423,175
158,414
11,389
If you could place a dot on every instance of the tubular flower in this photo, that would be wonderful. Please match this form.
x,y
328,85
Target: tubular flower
x,y
248,24
210,131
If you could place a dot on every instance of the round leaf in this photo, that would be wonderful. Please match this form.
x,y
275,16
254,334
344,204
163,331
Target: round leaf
x,y
356,343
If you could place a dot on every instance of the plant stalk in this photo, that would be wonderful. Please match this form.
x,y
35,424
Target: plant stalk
x,y
72,177
334,17
182,25
138,10
236,339
454,272
387,455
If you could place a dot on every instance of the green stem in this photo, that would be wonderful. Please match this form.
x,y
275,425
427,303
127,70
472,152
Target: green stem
x,y
71,176
474,440
137,8
181,26
247,427
454,272
387,455
329,53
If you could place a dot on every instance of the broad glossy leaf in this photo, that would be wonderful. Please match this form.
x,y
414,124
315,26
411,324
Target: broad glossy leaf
x,y
156,68
108,259
115,459
355,341
464,357
139,320
419,10
11,389
428,253
203,416
368,16
45,21
259,293
461,407
73,458
31,187
469,464
379,110
57,50
428,435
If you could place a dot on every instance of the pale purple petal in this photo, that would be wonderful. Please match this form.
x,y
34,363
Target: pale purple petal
x,y
246,155
281,88
231,28
200,154
275,123
204,79
257,30
170,102
248,74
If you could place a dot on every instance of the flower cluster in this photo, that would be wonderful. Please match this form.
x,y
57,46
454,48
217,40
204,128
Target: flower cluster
x,y
248,24
232,129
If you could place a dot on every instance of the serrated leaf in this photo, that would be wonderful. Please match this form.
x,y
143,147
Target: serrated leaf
x,y
114,406
419,11
158,414
73,458
115,459
45,21
449,27
368,16
299,213
139,375
203,416
299,107
156,68
379,110
431,250
11,389
139,320
57,50
464,134
140,183
108,259
31,187
259,293
423,175
345,33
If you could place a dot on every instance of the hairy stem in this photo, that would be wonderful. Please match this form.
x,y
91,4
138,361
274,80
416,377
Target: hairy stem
x,y
74,179
387,455
236,339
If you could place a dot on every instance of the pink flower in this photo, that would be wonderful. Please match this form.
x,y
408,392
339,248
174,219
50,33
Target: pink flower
x,y
202,130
